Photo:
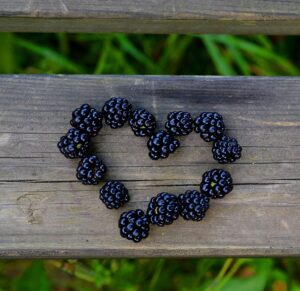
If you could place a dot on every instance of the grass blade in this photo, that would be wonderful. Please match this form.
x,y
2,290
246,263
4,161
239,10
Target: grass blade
x,y
254,49
49,54
127,46
103,55
7,58
221,63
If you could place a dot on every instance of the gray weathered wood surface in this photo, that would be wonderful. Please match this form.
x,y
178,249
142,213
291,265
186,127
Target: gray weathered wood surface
x,y
45,212
153,16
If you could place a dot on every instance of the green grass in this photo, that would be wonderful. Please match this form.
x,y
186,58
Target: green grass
x,y
150,275
140,54
151,54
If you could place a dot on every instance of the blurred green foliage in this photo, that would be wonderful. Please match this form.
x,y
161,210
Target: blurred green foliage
x,y
150,54
152,274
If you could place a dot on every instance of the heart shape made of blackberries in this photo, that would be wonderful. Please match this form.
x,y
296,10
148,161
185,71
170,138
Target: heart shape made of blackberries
x,y
164,208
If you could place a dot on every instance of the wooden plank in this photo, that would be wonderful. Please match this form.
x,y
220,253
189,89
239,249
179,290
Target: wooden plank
x,y
155,16
45,212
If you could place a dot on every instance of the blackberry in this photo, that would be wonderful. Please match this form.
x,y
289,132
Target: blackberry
x,y
114,194
210,125
216,183
134,225
161,144
116,111
163,209
87,119
74,144
90,170
179,123
142,122
194,205
226,150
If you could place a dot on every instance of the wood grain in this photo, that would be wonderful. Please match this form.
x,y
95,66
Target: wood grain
x,y
45,212
153,16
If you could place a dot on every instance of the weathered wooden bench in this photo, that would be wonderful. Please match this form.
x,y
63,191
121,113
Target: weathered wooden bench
x,y
45,212
153,16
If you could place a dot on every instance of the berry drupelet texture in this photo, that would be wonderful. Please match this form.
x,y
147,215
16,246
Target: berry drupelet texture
x,y
114,194
134,225
116,111
210,125
216,183
74,144
161,144
226,150
142,122
179,123
163,209
194,205
90,170
87,119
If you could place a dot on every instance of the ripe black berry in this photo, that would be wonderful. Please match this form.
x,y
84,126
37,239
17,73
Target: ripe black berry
x,y
216,183
161,144
142,122
87,119
226,150
194,205
163,209
114,194
134,225
74,144
210,125
116,111
90,170
179,123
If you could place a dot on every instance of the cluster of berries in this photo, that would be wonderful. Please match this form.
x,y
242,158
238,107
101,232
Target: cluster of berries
x,y
163,209
87,122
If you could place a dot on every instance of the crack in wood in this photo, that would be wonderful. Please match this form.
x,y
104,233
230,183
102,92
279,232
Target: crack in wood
x,y
31,204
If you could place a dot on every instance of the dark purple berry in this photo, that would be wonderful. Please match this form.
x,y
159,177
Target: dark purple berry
x,y
142,122
161,144
179,123
116,111
114,194
163,209
87,119
90,170
134,225
216,183
74,144
210,125
194,205
226,150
